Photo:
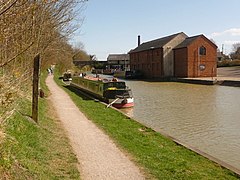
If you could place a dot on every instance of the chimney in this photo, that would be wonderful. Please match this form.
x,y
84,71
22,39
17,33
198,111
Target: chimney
x,y
139,40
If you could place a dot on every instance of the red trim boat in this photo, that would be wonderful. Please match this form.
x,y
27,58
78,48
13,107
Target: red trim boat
x,y
111,91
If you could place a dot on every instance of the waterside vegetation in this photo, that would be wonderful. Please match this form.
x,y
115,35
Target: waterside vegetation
x,y
35,151
228,63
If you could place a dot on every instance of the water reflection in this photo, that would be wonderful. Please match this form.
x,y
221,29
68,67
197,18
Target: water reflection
x,y
128,111
206,117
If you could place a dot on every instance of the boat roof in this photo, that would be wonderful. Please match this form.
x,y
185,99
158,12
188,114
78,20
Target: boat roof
x,y
104,80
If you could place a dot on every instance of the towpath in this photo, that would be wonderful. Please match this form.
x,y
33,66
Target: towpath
x,y
98,156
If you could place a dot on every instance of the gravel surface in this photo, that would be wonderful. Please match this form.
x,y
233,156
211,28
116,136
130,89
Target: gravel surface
x,y
98,156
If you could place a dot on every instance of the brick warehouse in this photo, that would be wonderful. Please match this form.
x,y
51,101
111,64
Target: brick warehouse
x,y
176,55
195,57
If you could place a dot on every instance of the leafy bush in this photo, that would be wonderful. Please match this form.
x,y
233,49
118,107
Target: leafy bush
x,y
228,63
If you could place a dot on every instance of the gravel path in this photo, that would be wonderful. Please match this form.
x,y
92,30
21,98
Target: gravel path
x,y
98,156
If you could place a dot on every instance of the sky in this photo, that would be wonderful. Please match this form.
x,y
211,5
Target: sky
x,y
112,26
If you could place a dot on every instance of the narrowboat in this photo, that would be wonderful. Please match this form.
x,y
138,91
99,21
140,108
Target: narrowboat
x,y
128,74
67,76
108,71
111,91
119,74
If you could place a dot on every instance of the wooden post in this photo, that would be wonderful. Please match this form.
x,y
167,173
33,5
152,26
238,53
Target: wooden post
x,y
35,88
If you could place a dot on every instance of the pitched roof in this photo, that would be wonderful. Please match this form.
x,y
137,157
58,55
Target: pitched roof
x,y
157,43
186,42
117,57
189,40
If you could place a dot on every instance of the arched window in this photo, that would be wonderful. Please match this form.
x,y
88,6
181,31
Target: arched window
x,y
202,50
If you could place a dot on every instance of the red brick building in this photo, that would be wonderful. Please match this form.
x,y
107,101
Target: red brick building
x,y
195,57
176,55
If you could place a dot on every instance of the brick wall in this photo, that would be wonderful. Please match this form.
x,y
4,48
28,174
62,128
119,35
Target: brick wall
x,y
189,63
180,63
149,62
195,60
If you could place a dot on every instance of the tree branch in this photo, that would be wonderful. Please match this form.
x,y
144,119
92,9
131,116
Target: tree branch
x,y
11,5
8,61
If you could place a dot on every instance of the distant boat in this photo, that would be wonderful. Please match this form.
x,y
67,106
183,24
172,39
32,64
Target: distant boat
x,y
119,73
113,92
108,71
128,74
67,76
97,71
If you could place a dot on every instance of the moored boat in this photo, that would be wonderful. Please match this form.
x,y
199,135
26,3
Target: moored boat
x,y
128,74
119,74
67,76
113,92
108,71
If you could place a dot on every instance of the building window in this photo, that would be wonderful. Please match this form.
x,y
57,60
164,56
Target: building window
x,y
202,50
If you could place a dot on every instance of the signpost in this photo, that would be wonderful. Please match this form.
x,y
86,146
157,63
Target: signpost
x,y
35,93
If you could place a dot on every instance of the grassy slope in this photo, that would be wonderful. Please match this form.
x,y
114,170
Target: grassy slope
x,y
33,151
159,156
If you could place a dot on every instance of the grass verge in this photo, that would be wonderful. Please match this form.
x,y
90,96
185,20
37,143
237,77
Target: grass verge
x,y
36,151
158,155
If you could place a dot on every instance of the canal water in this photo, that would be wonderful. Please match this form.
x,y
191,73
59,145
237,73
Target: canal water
x,y
205,117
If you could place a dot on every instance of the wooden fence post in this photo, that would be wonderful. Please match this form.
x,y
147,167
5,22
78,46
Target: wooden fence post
x,y
35,92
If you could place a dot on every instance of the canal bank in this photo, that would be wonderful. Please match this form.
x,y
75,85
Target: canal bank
x,y
204,154
174,139
194,149
226,76
145,130
98,156
159,156
204,117
223,81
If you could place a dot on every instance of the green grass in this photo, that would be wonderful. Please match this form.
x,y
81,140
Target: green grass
x,y
36,151
43,85
159,156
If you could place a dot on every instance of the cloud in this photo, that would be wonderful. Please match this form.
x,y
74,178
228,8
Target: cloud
x,y
231,42
226,38
228,32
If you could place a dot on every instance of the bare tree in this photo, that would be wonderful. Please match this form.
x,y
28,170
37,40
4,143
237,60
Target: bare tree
x,y
235,51
235,47
29,28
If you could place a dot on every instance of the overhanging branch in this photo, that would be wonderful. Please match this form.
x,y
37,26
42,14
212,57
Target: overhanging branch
x,y
8,61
